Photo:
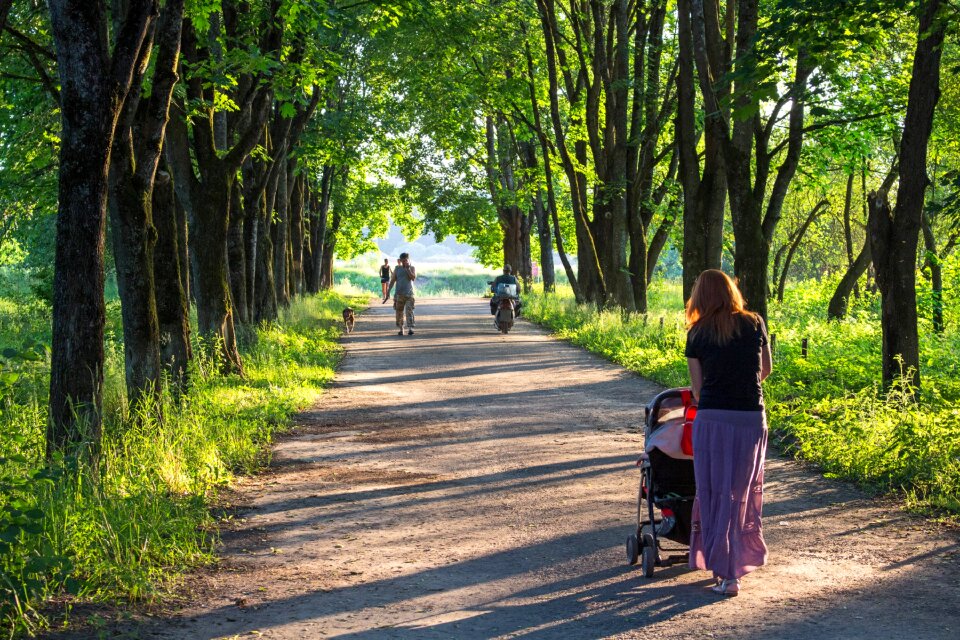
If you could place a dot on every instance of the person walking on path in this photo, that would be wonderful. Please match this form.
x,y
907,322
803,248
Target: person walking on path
x,y
728,356
403,300
384,278
390,281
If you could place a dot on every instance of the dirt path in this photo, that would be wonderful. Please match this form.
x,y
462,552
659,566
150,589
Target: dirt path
x,y
462,484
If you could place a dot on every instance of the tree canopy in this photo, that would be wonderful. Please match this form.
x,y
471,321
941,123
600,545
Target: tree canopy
x,y
247,143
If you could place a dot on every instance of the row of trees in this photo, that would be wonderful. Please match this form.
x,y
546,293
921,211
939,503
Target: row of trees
x,y
618,128
206,138
232,147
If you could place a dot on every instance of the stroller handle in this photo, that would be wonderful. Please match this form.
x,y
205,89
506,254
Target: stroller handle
x,y
677,392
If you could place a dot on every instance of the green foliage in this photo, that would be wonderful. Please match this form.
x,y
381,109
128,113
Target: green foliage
x,y
827,407
126,528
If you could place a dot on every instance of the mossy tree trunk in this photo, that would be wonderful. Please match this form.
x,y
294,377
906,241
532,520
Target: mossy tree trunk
x,y
95,82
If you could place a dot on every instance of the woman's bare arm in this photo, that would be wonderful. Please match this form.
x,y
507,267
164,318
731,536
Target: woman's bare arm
x,y
766,362
696,376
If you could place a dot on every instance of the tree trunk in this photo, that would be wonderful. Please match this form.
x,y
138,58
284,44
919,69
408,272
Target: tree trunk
x,y
703,194
837,309
318,228
551,207
215,321
280,237
173,310
590,279
183,247
309,207
637,263
135,157
847,227
936,275
511,222
747,157
131,219
330,235
296,236
613,239
265,302
502,186
541,218
206,178
326,263
797,239
545,240
333,227
894,238
237,256
94,85
4,12
658,242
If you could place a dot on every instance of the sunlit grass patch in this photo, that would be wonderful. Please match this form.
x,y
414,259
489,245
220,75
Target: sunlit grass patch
x,y
126,528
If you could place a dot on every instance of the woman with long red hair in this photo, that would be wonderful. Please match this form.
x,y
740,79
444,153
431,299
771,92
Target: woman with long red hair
x,y
728,356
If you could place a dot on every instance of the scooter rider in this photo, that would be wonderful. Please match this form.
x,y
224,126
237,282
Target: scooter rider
x,y
506,278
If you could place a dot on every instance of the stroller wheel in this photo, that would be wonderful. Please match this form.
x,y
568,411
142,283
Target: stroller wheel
x,y
650,555
633,549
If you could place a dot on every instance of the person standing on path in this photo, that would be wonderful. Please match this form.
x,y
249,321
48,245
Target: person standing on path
x,y
384,278
728,356
403,300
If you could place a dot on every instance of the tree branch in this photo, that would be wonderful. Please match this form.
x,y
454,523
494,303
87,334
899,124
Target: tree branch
x,y
830,123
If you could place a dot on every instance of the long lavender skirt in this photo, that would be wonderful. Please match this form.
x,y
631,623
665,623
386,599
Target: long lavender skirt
x,y
728,452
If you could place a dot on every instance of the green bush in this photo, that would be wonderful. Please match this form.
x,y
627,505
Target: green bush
x,y
121,530
828,407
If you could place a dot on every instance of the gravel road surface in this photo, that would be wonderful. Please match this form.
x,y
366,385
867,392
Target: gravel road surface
x,y
462,484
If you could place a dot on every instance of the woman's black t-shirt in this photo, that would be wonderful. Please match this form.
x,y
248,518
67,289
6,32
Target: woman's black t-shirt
x,y
384,272
731,373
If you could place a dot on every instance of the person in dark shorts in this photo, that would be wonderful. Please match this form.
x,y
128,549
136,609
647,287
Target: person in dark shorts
x,y
728,356
384,278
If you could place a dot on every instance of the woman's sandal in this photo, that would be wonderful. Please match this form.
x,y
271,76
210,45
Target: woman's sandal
x,y
729,588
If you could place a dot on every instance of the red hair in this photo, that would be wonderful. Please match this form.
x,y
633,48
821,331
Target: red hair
x,y
715,307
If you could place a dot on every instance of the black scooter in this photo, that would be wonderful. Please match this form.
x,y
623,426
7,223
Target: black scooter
x,y
506,303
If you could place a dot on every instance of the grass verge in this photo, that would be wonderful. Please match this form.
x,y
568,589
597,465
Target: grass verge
x,y
826,407
124,529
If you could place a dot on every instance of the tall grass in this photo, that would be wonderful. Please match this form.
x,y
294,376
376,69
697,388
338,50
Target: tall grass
x,y
827,407
122,529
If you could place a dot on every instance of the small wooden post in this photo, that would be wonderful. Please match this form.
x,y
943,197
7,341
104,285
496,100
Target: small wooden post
x,y
661,324
803,347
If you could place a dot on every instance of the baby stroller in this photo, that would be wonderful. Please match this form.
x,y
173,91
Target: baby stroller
x,y
667,482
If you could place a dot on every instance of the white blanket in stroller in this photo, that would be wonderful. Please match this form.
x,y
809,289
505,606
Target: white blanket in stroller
x,y
668,436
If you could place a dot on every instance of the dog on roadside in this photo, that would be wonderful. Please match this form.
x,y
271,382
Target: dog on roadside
x,y
349,319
